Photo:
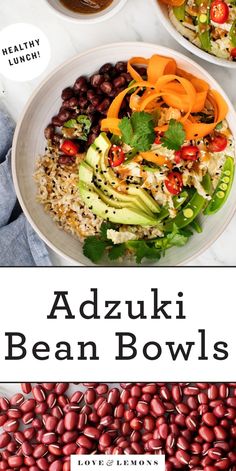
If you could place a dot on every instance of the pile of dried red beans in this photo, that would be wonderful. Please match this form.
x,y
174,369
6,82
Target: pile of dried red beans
x,y
193,424
91,96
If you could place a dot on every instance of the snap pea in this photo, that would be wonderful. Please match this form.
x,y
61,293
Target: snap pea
x,y
203,24
179,12
223,188
190,210
178,201
196,226
232,34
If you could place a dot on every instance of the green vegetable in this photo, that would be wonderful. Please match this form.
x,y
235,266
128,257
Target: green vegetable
x,y
94,248
174,238
72,123
232,34
130,155
175,135
223,188
190,210
85,121
156,114
104,228
81,126
138,130
196,226
205,40
117,251
115,140
155,248
203,24
143,249
132,88
179,12
219,126
177,200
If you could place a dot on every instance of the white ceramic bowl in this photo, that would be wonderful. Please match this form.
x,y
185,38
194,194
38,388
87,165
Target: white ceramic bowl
x,y
163,16
105,14
29,142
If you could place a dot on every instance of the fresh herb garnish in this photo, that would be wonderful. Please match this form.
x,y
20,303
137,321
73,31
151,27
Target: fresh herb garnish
x,y
81,126
144,249
138,130
117,251
95,247
175,135
175,238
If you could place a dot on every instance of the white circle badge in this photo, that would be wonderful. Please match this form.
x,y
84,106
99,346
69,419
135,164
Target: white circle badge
x,y
24,52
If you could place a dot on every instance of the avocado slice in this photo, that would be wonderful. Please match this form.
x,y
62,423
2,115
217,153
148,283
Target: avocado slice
x,y
119,216
93,159
86,176
97,157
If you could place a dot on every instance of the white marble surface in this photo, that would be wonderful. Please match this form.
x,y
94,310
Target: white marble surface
x,y
138,21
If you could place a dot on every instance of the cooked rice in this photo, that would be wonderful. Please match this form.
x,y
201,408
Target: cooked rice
x,y
58,193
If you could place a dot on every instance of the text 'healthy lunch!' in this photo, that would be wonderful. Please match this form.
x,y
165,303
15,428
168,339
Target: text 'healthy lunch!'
x,y
137,152
209,24
192,424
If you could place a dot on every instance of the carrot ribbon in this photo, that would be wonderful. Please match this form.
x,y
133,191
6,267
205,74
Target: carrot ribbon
x,y
176,88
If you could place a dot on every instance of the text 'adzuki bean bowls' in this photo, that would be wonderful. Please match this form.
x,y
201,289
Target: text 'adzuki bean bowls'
x,y
137,189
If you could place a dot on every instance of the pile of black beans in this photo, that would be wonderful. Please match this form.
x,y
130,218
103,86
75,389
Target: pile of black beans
x,y
91,96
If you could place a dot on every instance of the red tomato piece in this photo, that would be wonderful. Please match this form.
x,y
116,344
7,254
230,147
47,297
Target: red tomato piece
x,y
177,158
189,153
174,183
158,138
219,11
217,143
233,52
69,147
116,156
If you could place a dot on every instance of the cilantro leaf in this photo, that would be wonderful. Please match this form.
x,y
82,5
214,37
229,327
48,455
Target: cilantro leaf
x,y
175,135
94,248
85,121
126,130
143,249
175,238
117,251
138,130
104,228
70,124
81,126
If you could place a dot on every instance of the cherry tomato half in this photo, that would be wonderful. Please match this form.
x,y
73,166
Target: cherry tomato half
x,y
177,158
233,52
219,11
174,183
69,147
189,153
217,143
116,156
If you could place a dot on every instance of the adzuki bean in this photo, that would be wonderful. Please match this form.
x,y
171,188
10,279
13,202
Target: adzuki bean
x,y
194,425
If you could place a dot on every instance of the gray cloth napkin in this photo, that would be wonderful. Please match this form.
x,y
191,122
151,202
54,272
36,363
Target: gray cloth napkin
x,y
19,244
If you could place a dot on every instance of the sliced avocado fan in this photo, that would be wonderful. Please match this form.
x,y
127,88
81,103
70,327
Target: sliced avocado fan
x,y
97,184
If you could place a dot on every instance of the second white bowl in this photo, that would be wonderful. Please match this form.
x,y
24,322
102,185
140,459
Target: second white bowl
x,y
163,15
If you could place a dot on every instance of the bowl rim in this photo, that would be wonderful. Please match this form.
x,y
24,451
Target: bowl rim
x,y
188,44
89,19
165,50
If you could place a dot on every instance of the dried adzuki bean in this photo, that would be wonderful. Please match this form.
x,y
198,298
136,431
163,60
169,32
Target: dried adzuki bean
x,y
194,425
